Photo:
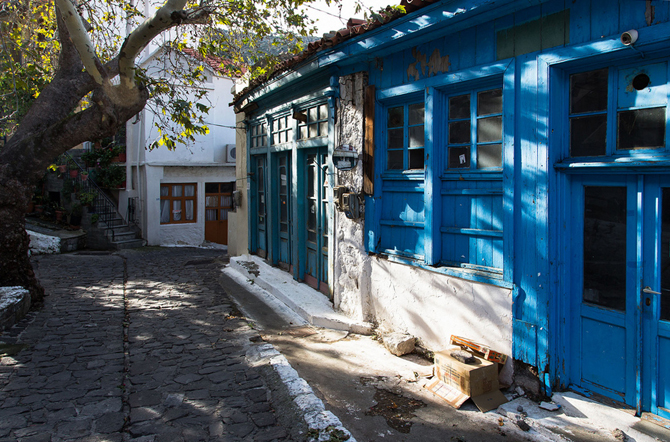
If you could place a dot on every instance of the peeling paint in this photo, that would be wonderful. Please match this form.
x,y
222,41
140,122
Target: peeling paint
x,y
436,64
649,13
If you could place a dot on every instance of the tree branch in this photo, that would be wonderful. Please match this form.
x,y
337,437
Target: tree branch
x,y
171,14
79,37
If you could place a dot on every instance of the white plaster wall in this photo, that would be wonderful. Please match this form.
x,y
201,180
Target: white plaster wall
x,y
152,194
433,307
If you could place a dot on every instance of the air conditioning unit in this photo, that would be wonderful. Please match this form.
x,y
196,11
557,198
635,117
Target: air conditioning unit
x,y
230,153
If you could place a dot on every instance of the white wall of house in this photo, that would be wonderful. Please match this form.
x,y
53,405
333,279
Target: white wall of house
x,y
202,161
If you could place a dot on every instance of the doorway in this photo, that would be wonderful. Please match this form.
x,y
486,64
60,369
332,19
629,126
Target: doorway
x,y
218,201
618,314
316,217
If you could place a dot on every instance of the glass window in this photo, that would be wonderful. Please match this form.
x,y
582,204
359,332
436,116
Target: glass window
x,y
178,203
282,130
405,137
615,111
258,135
315,122
475,129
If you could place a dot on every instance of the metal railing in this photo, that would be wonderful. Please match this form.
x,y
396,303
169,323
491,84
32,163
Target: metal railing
x,y
102,204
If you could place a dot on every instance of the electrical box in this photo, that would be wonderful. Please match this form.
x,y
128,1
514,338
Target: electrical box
x,y
352,205
338,193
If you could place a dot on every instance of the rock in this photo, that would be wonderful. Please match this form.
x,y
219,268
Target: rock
x,y
463,356
519,391
519,408
619,435
399,343
523,425
549,406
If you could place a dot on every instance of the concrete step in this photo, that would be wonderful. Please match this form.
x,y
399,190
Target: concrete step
x,y
128,244
122,236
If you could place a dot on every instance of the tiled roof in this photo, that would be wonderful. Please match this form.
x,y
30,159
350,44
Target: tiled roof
x,y
355,27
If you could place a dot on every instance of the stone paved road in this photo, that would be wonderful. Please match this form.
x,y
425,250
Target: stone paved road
x,y
140,346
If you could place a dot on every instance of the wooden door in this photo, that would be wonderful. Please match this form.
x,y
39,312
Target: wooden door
x,y
218,201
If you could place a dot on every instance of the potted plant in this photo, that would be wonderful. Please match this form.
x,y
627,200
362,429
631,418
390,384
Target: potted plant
x,y
87,198
84,176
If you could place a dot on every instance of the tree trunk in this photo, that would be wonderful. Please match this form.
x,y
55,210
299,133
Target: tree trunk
x,y
15,267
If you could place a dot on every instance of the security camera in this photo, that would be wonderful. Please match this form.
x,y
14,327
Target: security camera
x,y
629,37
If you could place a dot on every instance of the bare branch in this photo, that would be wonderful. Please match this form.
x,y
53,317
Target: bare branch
x,y
79,37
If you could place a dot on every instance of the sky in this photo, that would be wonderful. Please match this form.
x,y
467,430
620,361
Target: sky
x,y
327,17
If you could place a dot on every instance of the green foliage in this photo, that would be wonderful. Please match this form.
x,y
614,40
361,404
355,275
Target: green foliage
x,y
87,198
111,176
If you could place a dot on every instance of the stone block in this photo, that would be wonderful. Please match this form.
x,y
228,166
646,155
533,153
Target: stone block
x,y
14,305
399,343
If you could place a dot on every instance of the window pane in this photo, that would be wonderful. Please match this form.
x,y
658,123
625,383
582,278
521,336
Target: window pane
x,y
211,187
226,201
165,191
605,246
311,220
665,256
396,117
395,140
459,132
416,113
283,209
313,131
303,132
165,211
189,190
275,140
489,129
641,128
224,215
311,176
588,136
210,215
323,129
188,206
459,157
489,156
323,112
312,114
211,201
459,107
261,182
489,102
176,191
176,210
416,158
394,160
416,135
588,91
280,124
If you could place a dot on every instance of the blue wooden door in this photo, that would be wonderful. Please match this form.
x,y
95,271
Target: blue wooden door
x,y
261,207
284,208
316,217
620,263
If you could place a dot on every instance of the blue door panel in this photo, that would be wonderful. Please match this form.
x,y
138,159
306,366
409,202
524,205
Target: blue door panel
x,y
603,354
663,389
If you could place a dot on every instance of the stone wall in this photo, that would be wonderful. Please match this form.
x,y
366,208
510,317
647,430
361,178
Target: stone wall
x,y
14,305
352,265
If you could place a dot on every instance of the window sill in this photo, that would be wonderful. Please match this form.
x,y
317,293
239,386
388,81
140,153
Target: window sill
x,y
605,164
473,275
412,175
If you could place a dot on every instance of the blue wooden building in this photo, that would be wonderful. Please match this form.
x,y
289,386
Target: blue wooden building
x,y
514,169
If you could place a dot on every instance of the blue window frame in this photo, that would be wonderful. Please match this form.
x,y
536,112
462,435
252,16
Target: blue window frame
x,y
474,122
472,185
258,137
616,111
405,136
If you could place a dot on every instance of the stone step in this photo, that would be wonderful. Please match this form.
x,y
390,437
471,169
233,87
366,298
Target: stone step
x,y
128,244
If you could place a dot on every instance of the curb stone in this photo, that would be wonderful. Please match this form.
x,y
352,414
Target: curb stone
x,y
322,425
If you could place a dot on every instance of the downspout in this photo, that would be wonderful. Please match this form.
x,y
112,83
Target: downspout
x,y
333,93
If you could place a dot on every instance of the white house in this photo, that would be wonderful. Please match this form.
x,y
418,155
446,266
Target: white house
x,y
182,197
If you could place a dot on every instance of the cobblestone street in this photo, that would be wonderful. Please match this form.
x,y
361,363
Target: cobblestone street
x,y
144,345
